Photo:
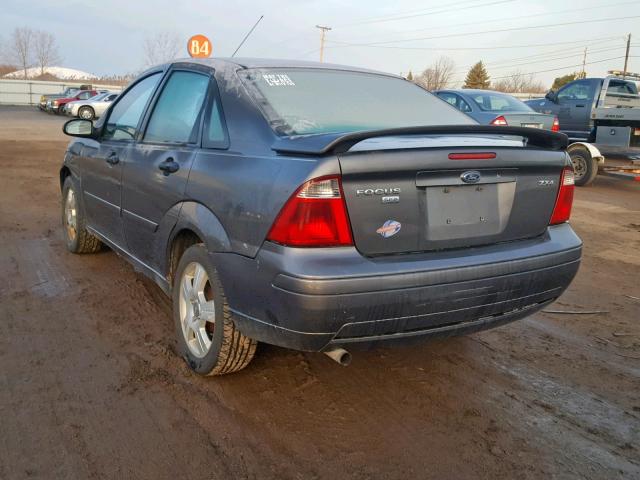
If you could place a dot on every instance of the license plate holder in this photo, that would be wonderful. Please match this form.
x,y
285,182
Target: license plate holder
x,y
467,211
531,125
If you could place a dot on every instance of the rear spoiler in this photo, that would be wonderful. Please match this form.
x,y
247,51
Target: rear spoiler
x,y
323,143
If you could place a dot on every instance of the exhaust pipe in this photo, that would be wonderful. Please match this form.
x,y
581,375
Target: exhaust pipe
x,y
339,355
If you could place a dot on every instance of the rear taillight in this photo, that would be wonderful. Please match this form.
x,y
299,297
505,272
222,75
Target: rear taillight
x,y
562,209
314,216
499,121
556,125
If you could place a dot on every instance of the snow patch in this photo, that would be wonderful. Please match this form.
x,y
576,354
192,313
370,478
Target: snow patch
x,y
58,72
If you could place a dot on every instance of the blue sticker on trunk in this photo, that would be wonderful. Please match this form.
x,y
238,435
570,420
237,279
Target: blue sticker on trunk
x,y
389,228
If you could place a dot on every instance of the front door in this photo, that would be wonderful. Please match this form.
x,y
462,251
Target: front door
x,y
102,164
156,172
574,106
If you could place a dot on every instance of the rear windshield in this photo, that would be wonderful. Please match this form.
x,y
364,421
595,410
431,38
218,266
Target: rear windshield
x,y
305,101
621,87
496,102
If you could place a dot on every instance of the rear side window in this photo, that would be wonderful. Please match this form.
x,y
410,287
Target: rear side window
x,y
176,114
455,100
495,102
125,115
216,133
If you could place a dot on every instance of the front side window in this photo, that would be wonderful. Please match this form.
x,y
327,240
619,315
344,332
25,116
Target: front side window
x,y
175,116
576,91
123,121
313,100
85,96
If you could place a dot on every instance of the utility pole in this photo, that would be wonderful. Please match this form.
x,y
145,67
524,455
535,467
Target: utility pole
x,y
626,57
323,30
584,62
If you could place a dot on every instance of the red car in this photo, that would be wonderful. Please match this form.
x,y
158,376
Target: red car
x,y
56,105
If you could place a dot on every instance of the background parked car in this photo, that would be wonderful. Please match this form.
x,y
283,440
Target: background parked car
x,y
68,92
496,108
56,105
91,108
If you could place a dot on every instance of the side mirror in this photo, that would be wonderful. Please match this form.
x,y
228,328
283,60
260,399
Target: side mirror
x,y
79,127
551,96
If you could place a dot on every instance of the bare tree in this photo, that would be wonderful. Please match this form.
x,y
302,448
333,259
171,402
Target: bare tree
x,y
46,50
161,47
22,48
438,75
519,82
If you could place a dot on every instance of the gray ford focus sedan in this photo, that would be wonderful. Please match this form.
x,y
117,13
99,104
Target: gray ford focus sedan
x,y
318,206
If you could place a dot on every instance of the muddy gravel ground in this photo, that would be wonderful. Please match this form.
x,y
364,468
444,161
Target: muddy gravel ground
x,y
90,386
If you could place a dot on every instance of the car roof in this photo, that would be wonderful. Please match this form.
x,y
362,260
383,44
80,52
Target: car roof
x,y
473,91
243,63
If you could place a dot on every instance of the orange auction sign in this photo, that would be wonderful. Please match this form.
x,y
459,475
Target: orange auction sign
x,y
199,46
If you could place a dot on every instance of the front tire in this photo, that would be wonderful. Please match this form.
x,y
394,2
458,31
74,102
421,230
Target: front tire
x,y
86,113
207,337
584,167
74,222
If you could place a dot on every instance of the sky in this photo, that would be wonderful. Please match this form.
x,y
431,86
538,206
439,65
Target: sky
x,y
544,37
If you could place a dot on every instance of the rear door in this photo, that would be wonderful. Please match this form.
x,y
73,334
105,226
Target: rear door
x,y
427,193
101,165
156,171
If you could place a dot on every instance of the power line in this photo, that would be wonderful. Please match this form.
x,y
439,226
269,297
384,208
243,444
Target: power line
x,y
466,34
517,17
501,64
383,17
553,69
492,47
404,17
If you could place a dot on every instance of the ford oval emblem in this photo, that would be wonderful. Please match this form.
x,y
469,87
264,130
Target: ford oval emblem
x,y
471,176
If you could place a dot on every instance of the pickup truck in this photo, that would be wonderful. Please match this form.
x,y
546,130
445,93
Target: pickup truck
x,y
600,111
68,92
57,105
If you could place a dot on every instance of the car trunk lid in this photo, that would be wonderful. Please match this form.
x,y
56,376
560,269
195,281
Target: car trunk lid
x,y
529,120
424,193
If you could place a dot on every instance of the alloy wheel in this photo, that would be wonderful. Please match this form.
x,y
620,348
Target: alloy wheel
x,y
71,214
197,309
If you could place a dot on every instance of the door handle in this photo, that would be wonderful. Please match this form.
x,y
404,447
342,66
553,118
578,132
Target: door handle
x,y
581,106
169,166
112,158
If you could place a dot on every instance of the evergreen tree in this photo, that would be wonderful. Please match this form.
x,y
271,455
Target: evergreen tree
x,y
477,77
563,80
410,76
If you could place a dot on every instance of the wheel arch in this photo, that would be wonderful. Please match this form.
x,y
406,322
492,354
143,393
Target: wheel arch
x,y
195,224
593,151
64,173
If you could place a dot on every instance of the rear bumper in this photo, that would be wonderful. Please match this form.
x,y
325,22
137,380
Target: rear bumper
x,y
311,299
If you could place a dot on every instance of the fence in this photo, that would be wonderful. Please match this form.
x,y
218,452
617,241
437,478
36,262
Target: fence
x,y
28,92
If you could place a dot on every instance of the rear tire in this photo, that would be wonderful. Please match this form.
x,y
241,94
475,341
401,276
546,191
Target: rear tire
x,y
207,337
86,113
74,222
584,166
